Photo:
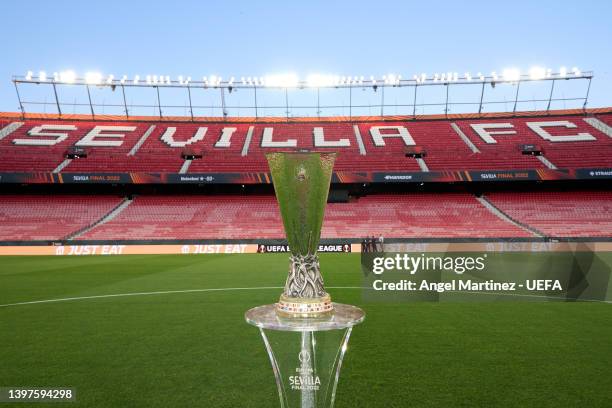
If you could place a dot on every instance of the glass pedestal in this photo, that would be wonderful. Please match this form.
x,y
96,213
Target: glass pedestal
x,y
306,354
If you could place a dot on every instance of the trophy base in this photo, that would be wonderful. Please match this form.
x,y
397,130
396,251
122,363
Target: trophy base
x,y
304,307
306,353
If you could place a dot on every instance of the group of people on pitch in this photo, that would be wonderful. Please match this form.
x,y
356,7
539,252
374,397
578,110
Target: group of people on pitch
x,y
373,244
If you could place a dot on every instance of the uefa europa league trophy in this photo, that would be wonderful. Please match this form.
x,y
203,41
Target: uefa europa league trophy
x,y
305,334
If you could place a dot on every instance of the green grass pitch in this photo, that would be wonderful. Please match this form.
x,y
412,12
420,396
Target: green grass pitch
x,y
195,350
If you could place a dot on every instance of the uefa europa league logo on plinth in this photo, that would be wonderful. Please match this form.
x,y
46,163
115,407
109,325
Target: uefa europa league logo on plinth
x,y
305,334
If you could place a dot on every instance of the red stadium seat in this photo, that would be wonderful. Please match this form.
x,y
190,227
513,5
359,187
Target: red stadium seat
x,y
560,214
50,217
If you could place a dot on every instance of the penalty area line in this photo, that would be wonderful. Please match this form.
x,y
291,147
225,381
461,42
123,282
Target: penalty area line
x,y
163,292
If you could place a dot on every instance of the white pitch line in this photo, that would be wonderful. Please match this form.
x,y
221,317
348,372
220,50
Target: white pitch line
x,y
164,292
136,294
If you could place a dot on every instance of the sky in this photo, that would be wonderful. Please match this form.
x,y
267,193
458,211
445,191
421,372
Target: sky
x,y
244,38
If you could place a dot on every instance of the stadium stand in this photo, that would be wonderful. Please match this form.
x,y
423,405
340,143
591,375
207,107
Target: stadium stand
x,y
194,217
50,217
449,145
252,217
415,215
570,154
420,215
560,214
573,141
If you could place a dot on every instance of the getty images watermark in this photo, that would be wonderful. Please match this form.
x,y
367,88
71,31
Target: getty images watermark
x,y
525,276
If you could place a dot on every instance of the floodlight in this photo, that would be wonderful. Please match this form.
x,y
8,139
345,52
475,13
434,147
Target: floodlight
x,y
136,79
123,79
511,74
110,79
93,78
29,76
56,77
537,73
576,71
562,71
67,76
289,80
319,80
391,79
42,75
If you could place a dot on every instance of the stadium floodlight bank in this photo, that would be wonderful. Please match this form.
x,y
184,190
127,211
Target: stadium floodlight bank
x,y
289,82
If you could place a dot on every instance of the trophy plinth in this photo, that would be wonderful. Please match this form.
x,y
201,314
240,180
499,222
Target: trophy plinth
x,y
305,333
